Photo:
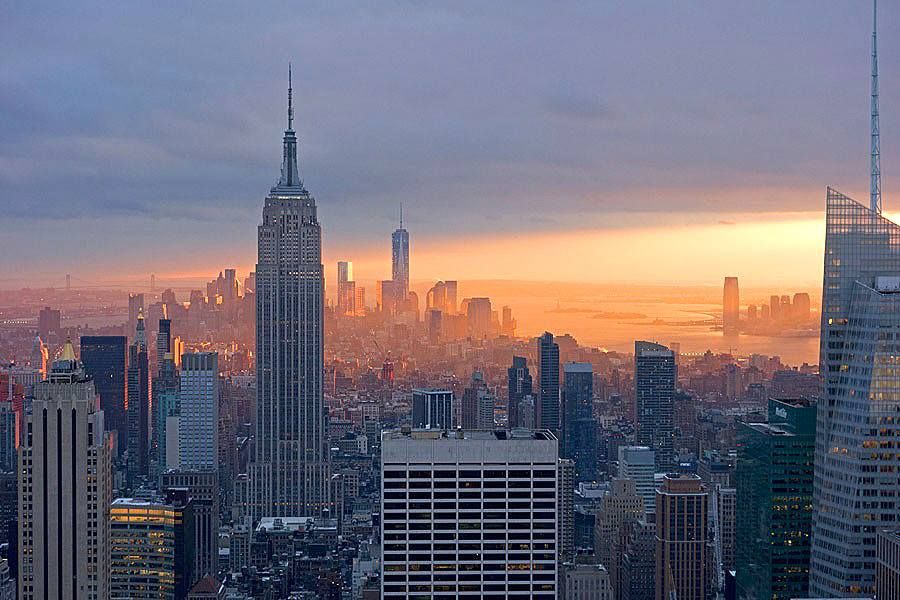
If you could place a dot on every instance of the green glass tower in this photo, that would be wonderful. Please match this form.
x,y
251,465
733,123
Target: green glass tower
x,y
775,488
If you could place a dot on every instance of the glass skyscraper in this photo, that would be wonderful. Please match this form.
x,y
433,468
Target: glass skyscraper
x,y
547,408
579,429
105,359
400,261
775,484
857,477
654,391
290,473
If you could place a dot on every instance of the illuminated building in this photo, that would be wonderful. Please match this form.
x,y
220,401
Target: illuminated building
x,y
731,306
346,288
198,423
859,415
518,387
547,407
139,409
290,473
681,544
432,409
579,428
64,488
150,546
400,261
654,389
39,356
775,484
480,515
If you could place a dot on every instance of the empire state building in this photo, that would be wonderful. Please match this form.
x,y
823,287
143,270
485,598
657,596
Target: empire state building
x,y
290,473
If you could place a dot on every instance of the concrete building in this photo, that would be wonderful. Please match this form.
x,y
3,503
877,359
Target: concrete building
x,y
480,515
638,463
654,387
585,580
618,510
64,489
198,424
682,506
432,409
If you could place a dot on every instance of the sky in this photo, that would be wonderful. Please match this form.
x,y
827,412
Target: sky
x,y
640,141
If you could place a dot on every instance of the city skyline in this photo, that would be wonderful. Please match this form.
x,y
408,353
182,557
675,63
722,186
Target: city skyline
x,y
723,188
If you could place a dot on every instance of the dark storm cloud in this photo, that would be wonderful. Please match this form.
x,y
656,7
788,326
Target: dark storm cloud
x,y
477,116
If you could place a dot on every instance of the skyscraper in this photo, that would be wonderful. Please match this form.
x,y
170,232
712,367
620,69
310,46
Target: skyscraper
x,y
400,262
681,545
654,390
346,288
775,484
64,488
518,386
198,423
638,463
478,314
618,510
140,428
858,420
579,429
105,360
432,409
135,306
470,475
290,473
547,407
477,410
731,306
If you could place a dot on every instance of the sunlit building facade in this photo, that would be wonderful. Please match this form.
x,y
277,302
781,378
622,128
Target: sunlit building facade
x,y
731,306
856,484
290,472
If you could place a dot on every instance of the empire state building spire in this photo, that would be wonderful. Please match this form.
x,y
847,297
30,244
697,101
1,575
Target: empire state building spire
x,y
290,175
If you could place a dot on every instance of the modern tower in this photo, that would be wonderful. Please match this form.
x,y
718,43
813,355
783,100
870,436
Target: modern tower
x,y
290,471
579,429
775,485
858,420
105,360
64,488
547,408
731,306
654,390
682,506
518,386
346,288
139,411
432,409
400,261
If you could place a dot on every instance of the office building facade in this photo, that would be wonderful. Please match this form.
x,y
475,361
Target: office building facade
x,y
654,389
547,406
469,512
579,428
105,360
198,423
432,409
682,509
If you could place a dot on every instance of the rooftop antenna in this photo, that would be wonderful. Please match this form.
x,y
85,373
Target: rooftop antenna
x,y
401,215
875,183
290,100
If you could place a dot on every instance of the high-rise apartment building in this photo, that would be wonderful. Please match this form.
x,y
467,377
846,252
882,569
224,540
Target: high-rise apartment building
x,y
654,390
150,546
105,360
547,406
64,489
856,488
198,425
774,478
618,510
579,428
139,413
432,409
518,386
290,473
400,262
638,463
731,306
469,512
681,538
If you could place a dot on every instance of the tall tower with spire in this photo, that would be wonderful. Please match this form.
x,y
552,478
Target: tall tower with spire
x,y
290,473
400,262
875,165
